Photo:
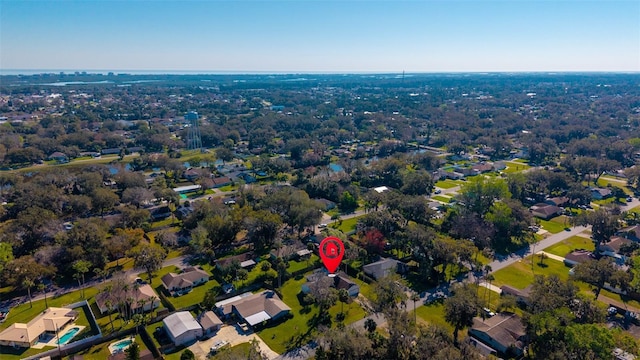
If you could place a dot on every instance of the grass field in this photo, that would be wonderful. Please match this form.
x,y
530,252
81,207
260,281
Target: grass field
x,y
346,225
240,351
433,313
569,245
555,225
446,184
606,181
520,275
441,198
513,167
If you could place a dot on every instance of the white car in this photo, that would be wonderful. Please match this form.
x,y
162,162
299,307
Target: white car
x,y
219,345
322,226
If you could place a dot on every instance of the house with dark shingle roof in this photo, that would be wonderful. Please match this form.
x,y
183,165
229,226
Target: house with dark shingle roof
x,y
545,211
503,332
600,193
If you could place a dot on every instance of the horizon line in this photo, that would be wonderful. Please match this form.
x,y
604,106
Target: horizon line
x,y
31,72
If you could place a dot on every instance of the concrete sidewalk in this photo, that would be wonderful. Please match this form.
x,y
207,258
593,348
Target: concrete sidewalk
x,y
551,256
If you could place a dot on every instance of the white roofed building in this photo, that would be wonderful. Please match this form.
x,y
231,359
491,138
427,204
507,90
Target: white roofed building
x,y
182,328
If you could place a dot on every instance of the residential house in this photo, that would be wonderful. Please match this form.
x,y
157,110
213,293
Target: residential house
x,y
248,179
385,267
545,211
187,188
326,204
600,193
210,322
221,181
191,174
577,256
46,325
179,284
560,201
612,249
483,167
160,213
340,281
630,232
182,328
522,296
59,157
503,332
246,261
453,175
143,298
254,309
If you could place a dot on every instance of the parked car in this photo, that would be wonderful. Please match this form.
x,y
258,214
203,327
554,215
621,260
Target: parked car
x,y
218,345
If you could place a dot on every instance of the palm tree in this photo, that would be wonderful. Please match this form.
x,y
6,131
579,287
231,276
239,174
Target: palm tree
x,y
28,283
490,278
43,288
153,302
109,304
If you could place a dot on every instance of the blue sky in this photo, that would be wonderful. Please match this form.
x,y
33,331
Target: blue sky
x,y
321,36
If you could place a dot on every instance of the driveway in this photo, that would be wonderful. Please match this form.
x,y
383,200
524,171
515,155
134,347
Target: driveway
x,y
233,336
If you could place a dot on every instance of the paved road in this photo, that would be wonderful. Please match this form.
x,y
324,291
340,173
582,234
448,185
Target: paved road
x,y
540,245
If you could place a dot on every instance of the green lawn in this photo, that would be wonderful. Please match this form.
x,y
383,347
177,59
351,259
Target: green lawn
x,y
295,265
441,198
346,225
433,313
569,245
520,274
24,313
446,184
513,167
604,201
605,181
240,351
555,225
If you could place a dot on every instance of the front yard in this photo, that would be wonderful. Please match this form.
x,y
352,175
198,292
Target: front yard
x,y
571,244
521,274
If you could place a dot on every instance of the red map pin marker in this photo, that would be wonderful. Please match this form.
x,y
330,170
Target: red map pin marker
x,y
331,253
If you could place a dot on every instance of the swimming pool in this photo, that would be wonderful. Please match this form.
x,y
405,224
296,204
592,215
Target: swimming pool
x,y
68,335
120,345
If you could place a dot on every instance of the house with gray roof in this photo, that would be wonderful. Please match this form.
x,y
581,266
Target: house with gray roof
x,y
255,309
384,267
503,332
182,328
